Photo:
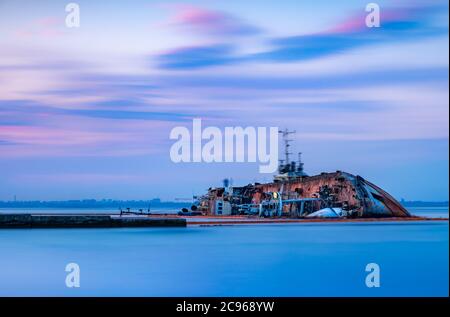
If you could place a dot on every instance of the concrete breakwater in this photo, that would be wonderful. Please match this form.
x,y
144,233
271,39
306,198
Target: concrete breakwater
x,y
9,221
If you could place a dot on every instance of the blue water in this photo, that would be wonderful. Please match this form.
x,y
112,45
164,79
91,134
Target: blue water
x,y
247,260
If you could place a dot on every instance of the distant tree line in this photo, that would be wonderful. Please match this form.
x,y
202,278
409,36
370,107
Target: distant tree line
x,y
93,203
419,203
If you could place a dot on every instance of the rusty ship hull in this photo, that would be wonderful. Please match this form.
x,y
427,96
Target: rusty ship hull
x,y
295,194
353,194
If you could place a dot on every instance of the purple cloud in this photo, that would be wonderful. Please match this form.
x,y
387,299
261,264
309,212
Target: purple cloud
x,y
397,24
209,22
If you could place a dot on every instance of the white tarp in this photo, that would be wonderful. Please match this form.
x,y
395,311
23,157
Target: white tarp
x,y
326,213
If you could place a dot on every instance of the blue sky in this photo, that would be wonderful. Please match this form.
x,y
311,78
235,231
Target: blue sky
x,y
86,112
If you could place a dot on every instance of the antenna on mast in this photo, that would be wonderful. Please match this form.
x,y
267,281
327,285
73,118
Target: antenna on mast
x,y
285,134
288,170
300,163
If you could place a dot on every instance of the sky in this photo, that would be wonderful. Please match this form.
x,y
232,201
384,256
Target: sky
x,y
87,112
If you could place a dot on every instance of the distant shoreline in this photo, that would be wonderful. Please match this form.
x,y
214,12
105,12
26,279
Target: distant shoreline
x,y
149,204
96,204
424,203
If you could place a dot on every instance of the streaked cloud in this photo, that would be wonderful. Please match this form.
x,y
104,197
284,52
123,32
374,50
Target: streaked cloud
x,y
209,22
195,57
102,100
400,24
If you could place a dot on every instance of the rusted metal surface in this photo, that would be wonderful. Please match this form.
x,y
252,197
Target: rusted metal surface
x,y
358,197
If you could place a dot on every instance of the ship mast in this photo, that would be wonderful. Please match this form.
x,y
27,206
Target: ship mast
x,y
288,170
285,134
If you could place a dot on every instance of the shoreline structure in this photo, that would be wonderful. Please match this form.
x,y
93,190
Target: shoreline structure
x,y
36,221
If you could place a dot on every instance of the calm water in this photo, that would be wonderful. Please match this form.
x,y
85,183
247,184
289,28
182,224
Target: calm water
x,y
263,260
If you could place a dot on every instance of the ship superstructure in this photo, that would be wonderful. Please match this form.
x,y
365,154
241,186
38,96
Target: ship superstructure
x,y
294,194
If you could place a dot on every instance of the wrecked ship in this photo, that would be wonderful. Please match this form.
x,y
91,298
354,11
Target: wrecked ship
x,y
294,194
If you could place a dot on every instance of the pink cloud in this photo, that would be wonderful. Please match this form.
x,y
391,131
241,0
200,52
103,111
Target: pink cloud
x,y
48,27
96,178
51,136
207,21
49,21
84,137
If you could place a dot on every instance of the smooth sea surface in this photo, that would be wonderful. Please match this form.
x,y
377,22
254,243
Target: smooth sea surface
x,y
311,259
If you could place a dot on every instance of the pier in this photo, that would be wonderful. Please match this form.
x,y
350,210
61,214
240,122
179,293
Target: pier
x,y
10,221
